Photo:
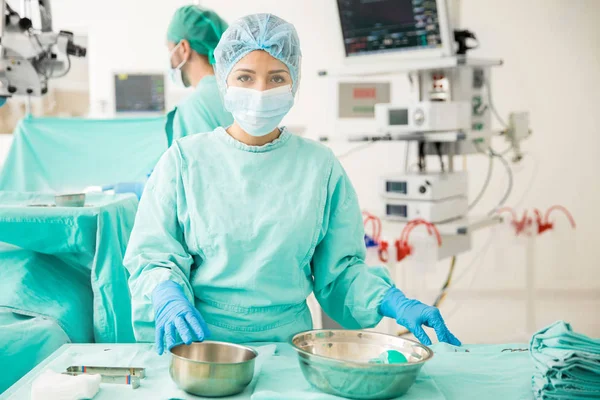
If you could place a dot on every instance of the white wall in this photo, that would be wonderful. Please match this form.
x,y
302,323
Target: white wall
x,y
551,50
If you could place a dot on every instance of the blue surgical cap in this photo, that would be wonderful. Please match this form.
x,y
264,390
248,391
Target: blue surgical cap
x,y
258,32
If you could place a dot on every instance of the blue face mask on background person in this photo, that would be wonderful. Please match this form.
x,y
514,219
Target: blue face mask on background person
x,y
175,73
259,112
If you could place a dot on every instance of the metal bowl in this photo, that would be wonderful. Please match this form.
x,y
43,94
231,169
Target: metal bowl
x,y
337,362
70,200
212,369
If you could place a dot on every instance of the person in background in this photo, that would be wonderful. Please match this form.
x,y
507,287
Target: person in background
x,y
192,36
238,226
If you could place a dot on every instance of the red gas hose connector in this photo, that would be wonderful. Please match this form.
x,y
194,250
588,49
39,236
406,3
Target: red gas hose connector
x,y
403,249
543,223
564,211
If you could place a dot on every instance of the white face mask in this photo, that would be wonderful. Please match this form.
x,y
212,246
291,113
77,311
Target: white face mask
x,y
259,112
175,73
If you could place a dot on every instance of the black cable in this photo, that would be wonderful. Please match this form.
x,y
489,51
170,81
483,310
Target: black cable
x,y
422,165
438,148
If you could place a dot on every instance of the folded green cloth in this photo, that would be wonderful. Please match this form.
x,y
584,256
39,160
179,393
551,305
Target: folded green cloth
x,y
559,358
577,364
544,389
560,335
567,364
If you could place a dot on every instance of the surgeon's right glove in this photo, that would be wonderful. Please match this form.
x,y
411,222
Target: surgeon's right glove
x,y
412,314
173,314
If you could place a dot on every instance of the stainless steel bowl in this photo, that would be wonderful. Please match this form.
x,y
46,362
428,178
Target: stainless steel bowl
x,y
337,362
70,200
212,369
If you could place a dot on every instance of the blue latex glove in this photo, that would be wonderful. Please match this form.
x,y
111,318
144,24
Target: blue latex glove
x,y
173,313
2,100
412,314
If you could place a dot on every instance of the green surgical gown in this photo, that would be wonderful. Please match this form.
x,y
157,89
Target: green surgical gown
x,y
249,232
201,112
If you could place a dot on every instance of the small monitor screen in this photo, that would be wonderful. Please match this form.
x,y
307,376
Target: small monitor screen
x,y
399,116
382,26
140,93
396,210
395,187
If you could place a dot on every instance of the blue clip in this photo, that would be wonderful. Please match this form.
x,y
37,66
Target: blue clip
x,y
370,242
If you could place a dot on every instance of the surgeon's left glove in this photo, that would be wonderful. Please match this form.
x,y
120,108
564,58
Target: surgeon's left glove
x,y
412,314
173,314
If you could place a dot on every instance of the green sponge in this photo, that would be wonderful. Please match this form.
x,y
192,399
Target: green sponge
x,y
389,357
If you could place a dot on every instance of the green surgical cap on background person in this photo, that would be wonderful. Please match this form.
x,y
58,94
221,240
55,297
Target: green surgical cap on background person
x,y
258,32
202,28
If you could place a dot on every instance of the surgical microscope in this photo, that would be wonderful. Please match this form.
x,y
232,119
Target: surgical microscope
x,y
30,52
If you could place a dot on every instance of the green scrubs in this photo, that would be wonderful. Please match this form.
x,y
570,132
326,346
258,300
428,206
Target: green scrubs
x,y
249,232
202,112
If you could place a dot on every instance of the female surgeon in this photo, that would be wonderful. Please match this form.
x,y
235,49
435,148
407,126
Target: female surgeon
x,y
237,227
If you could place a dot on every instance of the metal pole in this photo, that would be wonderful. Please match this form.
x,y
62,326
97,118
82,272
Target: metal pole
x,y
530,286
451,157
